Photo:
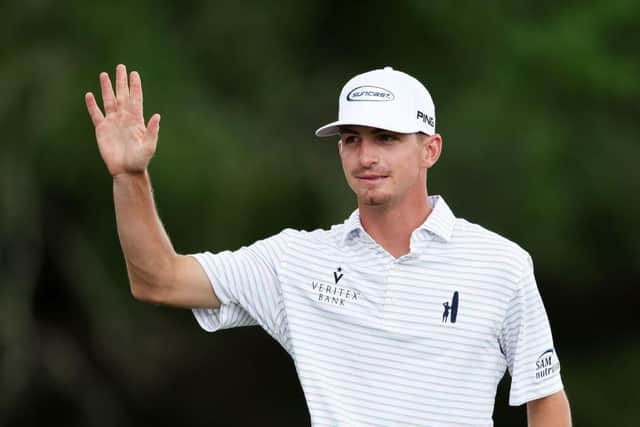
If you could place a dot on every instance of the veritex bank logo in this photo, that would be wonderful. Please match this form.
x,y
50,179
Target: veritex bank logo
x,y
333,293
370,93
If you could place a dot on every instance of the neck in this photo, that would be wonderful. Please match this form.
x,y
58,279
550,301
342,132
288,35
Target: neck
x,y
391,226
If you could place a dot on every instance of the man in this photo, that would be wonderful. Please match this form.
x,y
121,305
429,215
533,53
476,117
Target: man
x,y
359,307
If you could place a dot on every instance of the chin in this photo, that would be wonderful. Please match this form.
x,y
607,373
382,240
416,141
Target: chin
x,y
369,199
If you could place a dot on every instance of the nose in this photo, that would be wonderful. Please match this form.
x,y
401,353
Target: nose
x,y
369,154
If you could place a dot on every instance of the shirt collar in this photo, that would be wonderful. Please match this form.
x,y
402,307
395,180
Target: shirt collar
x,y
440,221
352,227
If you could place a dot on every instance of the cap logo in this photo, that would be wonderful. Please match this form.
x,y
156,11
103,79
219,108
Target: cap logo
x,y
370,93
426,118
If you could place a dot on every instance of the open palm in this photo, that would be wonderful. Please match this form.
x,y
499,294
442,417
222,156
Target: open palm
x,y
126,144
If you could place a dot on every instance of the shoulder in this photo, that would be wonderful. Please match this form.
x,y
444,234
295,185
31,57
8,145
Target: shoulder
x,y
476,239
288,244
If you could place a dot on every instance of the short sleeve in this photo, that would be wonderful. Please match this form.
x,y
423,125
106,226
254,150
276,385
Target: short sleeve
x,y
527,344
247,285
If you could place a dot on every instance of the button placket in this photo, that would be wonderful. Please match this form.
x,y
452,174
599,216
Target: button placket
x,y
393,318
392,270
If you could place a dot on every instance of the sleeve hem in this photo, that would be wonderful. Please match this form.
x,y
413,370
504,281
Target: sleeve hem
x,y
214,281
207,318
210,319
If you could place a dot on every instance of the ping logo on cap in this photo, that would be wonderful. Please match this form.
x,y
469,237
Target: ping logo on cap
x,y
426,118
370,93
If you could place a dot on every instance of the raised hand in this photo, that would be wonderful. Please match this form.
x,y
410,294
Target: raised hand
x,y
125,144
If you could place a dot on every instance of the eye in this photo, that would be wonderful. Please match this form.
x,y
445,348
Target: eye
x,y
349,139
386,137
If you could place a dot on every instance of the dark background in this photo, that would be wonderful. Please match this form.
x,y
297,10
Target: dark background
x,y
538,105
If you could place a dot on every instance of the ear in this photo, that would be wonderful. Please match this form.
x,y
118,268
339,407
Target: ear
x,y
432,149
340,146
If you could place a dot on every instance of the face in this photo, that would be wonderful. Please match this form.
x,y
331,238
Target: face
x,y
385,168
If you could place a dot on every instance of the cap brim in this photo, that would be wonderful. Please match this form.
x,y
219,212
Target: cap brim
x,y
333,128
330,129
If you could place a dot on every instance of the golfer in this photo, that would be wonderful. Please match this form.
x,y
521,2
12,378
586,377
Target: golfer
x,y
403,315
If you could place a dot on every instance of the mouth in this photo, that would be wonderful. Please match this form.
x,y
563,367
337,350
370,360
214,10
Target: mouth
x,y
372,179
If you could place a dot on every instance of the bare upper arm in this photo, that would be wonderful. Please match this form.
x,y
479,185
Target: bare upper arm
x,y
549,411
193,288
188,287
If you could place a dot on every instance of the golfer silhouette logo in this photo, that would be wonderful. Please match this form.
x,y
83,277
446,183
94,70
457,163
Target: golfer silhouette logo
x,y
450,308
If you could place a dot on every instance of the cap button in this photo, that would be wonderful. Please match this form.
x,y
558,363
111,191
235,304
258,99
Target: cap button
x,y
388,68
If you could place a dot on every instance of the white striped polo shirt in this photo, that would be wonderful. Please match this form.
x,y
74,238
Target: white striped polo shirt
x,y
419,340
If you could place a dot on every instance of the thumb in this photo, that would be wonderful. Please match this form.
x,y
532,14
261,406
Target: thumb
x,y
151,133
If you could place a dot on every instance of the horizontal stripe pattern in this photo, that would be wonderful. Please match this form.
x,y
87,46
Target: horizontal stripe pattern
x,y
368,333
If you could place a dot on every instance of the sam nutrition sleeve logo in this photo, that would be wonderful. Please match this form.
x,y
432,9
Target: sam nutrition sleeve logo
x,y
546,365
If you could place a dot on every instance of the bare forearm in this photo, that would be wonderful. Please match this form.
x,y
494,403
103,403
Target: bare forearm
x,y
148,251
156,273
550,411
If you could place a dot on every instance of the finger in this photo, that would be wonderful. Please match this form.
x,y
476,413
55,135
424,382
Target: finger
x,y
108,98
136,93
93,109
153,128
122,89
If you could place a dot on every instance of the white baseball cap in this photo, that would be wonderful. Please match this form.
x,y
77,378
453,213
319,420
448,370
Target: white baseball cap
x,y
385,99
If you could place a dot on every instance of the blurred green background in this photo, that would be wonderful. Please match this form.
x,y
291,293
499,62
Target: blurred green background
x,y
538,105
